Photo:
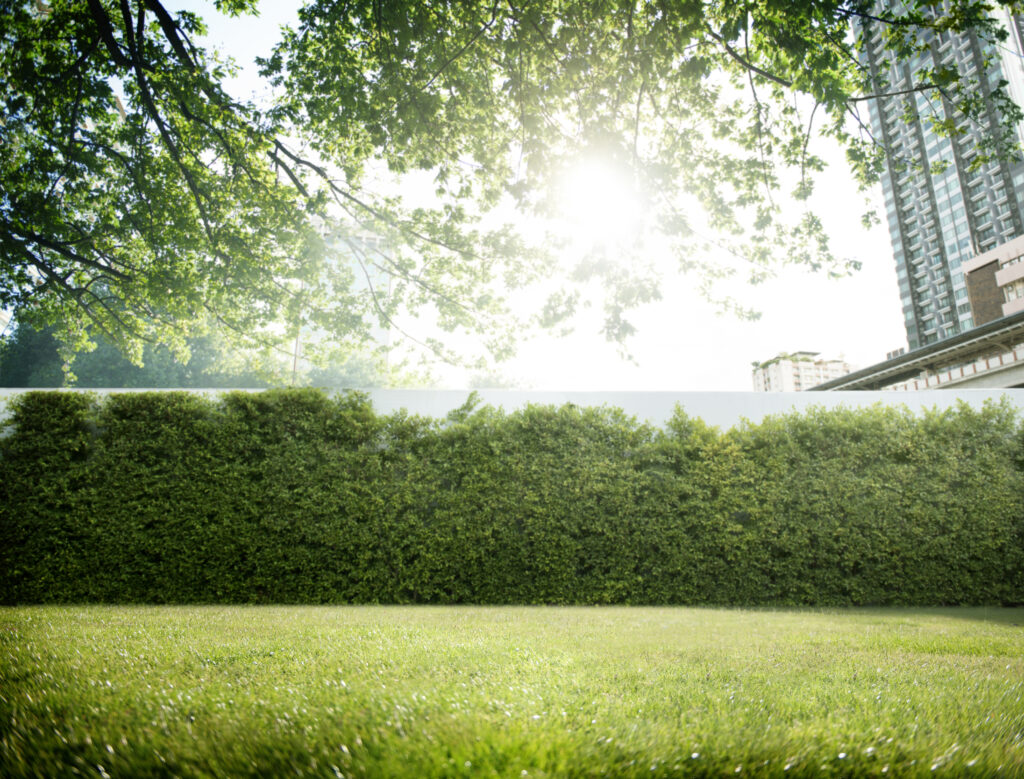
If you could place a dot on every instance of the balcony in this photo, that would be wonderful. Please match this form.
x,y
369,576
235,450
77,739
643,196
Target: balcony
x,y
1013,306
1009,273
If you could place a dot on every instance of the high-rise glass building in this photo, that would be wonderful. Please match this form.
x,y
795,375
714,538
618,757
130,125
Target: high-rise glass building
x,y
944,213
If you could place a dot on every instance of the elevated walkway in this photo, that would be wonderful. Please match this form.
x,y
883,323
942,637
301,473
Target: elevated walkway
x,y
988,356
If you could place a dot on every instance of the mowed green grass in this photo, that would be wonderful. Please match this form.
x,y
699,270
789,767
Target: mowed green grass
x,y
467,691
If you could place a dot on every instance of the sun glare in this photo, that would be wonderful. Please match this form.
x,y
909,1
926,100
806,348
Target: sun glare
x,y
599,206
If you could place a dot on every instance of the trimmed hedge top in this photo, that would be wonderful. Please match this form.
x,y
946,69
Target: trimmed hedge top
x,y
291,496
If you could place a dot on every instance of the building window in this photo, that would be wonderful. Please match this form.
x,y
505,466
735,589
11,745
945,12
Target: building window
x,y
1014,290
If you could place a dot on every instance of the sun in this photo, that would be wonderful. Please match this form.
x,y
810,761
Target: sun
x,y
599,205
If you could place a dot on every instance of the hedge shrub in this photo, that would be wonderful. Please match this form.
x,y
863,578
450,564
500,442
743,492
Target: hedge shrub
x,y
291,496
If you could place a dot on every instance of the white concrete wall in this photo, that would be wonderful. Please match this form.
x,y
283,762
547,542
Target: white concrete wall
x,y
723,409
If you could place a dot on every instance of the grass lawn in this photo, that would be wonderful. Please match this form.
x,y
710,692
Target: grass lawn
x,y
467,691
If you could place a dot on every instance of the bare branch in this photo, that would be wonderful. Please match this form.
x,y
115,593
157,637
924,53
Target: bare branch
x,y
380,309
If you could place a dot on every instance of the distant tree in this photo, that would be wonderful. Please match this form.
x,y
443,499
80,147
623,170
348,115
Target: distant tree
x,y
155,216
356,372
30,358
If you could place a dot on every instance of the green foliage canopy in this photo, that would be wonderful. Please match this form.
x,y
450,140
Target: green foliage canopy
x,y
142,201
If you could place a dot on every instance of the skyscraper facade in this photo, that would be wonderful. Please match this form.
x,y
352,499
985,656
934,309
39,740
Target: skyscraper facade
x,y
945,210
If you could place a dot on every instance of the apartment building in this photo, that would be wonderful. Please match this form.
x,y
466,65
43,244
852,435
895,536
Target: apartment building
x,y
796,372
942,206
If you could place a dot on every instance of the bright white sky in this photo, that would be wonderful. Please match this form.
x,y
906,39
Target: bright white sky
x,y
682,344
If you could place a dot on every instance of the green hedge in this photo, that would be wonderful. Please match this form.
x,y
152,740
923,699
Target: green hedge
x,y
291,496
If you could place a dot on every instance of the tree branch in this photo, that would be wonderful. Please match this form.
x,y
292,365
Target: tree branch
x,y
394,269
908,91
170,29
281,164
165,135
466,47
129,33
65,252
366,207
846,13
760,127
750,66
131,329
106,32
636,119
380,309
807,140
73,294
